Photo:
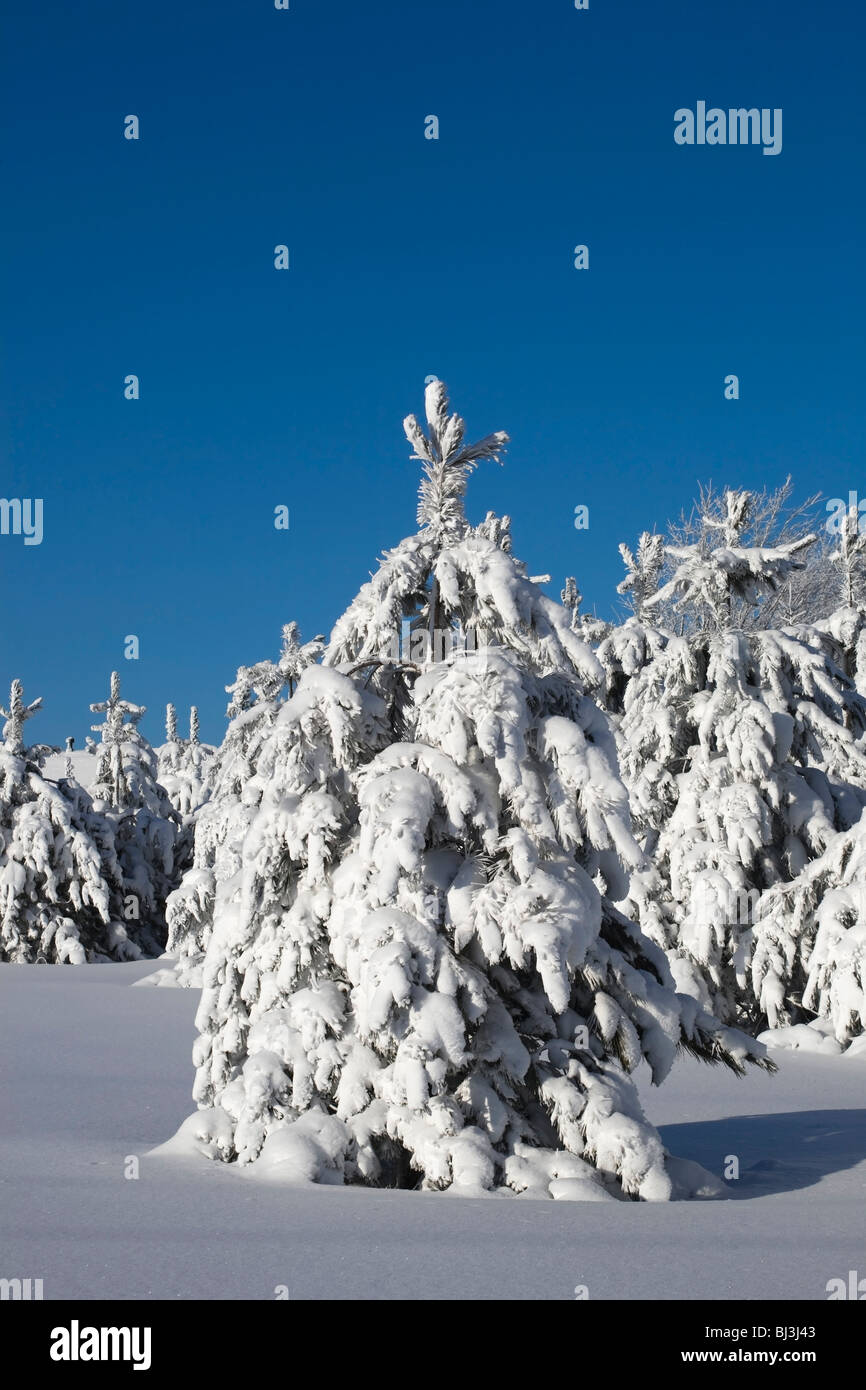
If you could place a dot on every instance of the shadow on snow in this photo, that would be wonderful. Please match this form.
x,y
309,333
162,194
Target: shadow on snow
x,y
776,1153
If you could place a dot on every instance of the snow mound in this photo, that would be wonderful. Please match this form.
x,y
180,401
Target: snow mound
x,y
178,974
804,1037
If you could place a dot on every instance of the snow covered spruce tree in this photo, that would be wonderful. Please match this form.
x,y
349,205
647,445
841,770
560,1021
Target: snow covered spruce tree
x,y
184,765
809,955
773,518
142,825
418,977
168,756
628,647
588,627
233,796
850,554
54,896
809,951
845,628
743,754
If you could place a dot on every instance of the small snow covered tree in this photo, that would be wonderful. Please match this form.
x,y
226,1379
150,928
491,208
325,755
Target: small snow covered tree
x,y
417,975
808,948
742,751
733,577
195,770
144,824
233,793
850,556
804,595
16,717
169,755
628,647
184,767
643,567
844,629
588,627
126,775
809,955
571,599
54,878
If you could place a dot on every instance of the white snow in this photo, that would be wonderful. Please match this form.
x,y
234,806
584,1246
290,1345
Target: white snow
x,y
102,1073
84,767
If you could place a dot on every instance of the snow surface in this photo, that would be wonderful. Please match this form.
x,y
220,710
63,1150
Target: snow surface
x,y
102,1072
84,766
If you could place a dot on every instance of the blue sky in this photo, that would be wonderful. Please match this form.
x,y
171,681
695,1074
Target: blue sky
x,y
409,257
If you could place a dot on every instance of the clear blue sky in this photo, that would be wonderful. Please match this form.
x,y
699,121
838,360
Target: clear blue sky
x,y
409,257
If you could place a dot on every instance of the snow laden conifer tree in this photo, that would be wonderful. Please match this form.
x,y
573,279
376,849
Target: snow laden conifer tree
x,y
845,628
169,755
630,646
54,896
233,797
850,554
16,717
624,654
589,628
184,766
808,960
418,977
184,769
142,838
743,754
